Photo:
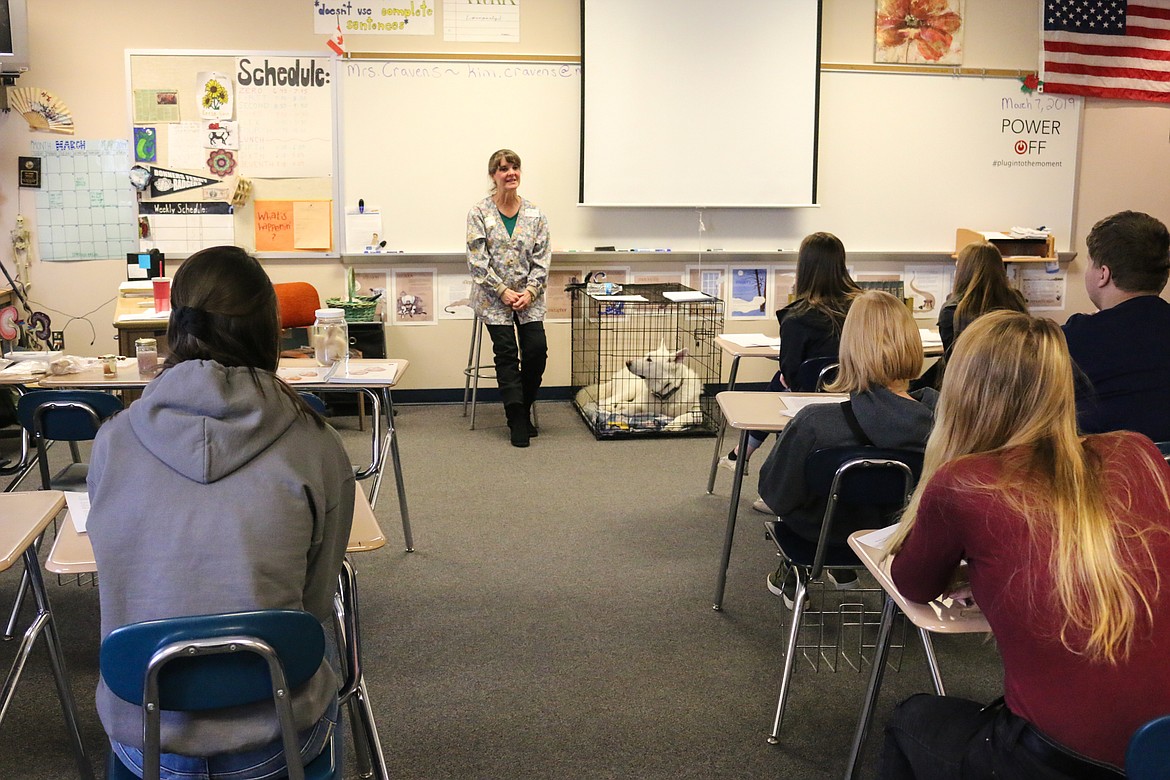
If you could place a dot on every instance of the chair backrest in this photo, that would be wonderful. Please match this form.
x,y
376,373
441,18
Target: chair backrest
x,y
65,415
854,478
297,303
1148,755
1164,448
206,662
815,373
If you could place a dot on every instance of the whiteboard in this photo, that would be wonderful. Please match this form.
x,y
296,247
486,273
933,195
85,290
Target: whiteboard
x,y
685,104
903,160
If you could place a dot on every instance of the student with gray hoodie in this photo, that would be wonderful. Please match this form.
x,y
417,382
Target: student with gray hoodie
x,y
219,490
881,351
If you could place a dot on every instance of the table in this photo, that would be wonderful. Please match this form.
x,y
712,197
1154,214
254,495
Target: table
x,y
72,554
378,392
736,351
130,327
750,411
26,515
939,617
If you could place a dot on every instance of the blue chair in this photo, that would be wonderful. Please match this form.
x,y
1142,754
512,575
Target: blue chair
x,y
1148,755
214,661
815,373
863,488
64,415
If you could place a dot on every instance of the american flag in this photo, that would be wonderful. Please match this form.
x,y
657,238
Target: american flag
x,y
1107,48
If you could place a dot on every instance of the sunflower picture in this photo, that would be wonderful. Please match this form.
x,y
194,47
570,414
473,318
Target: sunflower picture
x,y
921,32
215,95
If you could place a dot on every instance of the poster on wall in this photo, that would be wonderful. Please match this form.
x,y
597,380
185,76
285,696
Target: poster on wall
x,y
928,286
708,279
559,304
920,33
413,301
214,91
749,293
454,301
395,18
284,106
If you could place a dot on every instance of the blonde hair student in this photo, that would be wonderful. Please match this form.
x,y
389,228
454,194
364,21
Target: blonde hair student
x,y
1064,536
881,352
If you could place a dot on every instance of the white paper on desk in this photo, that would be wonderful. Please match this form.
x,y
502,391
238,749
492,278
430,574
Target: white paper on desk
x,y
878,538
751,339
145,314
362,230
617,298
794,405
679,296
930,338
78,505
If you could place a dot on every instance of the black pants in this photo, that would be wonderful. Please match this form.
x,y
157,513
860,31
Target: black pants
x,y
945,736
521,352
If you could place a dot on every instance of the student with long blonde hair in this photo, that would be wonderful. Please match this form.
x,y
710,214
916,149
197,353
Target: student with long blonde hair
x,y
881,351
981,285
1064,536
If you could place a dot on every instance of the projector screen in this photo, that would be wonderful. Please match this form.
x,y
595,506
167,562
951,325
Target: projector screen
x,y
690,103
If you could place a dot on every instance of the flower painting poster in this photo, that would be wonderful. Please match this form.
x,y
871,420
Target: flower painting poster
x,y
921,32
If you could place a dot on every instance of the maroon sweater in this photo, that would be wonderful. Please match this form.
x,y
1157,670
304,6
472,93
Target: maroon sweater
x,y
1089,706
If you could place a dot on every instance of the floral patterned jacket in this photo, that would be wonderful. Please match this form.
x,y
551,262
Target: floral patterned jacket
x,y
498,261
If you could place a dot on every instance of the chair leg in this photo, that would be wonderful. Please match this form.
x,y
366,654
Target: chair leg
x,y
932,662
18,602
477,347
789,655
472,361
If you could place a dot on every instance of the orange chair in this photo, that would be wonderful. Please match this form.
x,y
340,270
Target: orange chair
x,y
298,303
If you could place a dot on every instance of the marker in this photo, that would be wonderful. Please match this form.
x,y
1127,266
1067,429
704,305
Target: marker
x,y
382,245
361,206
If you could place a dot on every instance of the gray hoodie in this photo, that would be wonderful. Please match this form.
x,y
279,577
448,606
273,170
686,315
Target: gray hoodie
x,y
889,420
211,494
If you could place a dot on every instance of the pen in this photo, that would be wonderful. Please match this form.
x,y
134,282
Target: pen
x,y
382,245
361,206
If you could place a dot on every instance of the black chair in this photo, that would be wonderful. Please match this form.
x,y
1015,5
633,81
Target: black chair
x,y
864,487
1148,754
815,373
209,662
1164,448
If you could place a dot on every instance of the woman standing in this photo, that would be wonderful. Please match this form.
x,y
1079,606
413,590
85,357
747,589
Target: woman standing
x,y
981,285
508,254
810,326
219,490
1064,537
881,351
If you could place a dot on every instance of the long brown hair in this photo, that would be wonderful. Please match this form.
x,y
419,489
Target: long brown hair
x,y
1009,390
981,284
223,308
823,282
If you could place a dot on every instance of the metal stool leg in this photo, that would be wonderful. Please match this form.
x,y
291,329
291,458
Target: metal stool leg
x,y
471,363
477,344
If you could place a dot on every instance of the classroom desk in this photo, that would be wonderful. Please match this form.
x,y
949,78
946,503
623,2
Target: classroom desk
x,y
749,411
736,351
131,326
26,515
936,617
72,554
377,392
19,382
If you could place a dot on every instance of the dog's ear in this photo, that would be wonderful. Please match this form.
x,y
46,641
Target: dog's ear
x,y
681,355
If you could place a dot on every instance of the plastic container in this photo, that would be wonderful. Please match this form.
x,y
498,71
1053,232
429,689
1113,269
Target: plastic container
x,y
146,350
330,337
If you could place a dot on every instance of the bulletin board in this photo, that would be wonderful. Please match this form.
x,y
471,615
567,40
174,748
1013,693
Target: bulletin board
x,y
241,150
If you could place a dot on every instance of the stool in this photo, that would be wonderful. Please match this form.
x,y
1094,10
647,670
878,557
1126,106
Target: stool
x,y
476,371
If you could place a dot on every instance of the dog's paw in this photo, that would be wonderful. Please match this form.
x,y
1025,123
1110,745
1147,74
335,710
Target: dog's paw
x,y
684,421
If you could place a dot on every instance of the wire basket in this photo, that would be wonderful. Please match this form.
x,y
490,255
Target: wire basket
x,y
360,309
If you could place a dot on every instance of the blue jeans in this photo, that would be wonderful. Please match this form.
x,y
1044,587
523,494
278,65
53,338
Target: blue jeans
x,y
258,764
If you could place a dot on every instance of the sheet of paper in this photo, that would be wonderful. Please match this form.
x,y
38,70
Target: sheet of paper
x,y
930,338
616,298
156,105
362,230
685,295
78,505
481,22
795,404
185,146
878,538
145,314
312,225
751,339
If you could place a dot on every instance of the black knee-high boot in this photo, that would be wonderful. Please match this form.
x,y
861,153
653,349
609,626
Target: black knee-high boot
x,y
517,415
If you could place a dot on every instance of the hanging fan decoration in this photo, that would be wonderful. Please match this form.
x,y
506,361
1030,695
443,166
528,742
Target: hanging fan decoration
x,y
41,109
9,323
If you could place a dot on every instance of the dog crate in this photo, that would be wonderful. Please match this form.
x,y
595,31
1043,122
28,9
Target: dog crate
x,y
608,335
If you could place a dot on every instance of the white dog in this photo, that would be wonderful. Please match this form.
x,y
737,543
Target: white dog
x,y
661,383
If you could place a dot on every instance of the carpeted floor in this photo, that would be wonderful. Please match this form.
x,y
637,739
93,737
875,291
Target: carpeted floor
x,y
554,621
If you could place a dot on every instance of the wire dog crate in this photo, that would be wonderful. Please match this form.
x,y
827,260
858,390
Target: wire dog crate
x,y
647,367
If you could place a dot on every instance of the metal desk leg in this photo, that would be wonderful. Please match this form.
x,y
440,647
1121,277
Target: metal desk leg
x,y
392,439
722,429
732,511
932,662
43,623
371,761
881,652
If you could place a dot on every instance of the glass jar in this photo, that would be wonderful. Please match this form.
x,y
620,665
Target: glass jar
x,y
146,350
330,337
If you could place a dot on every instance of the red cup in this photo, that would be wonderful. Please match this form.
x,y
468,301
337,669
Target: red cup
x,y
162,294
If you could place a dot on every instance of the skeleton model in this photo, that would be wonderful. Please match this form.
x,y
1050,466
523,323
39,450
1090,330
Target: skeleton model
x,y
20,242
